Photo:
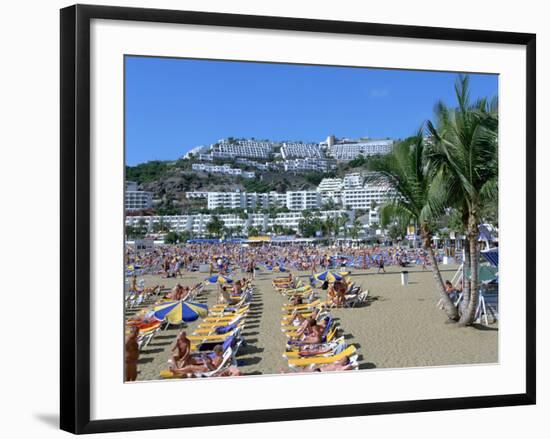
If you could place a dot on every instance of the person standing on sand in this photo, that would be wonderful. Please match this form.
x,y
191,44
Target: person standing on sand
x,y
381,264
133,286
183,347
131,354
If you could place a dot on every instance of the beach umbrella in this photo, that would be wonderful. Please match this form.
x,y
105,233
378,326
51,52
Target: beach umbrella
x,y
218,279
329,276
177,312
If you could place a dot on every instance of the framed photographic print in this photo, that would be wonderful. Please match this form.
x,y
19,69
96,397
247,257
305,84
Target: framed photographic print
x,y
272,218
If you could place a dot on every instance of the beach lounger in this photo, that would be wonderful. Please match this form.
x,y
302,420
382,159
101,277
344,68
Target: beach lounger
x,y
284,283
282,279
305,307
313,304
243,301
145,337
227,320
293,345
487,307
233,342
356,299
227,311
321,350
287,325
317,360
223,318
295,291
197,340
225,363
292,328
330,323
221,322
288,286
219,329
289,318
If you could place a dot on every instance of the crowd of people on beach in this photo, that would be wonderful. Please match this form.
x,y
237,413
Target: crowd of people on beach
x,y
306,320
174,260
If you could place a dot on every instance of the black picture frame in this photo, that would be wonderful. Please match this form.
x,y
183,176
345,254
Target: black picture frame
x,y
75,217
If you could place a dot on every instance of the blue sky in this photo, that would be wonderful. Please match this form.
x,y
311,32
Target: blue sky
x,y
173,105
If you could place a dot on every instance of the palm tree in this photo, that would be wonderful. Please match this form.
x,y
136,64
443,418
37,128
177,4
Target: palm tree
x,y
215,226
162,226
342,222
329,204
329,225
417,197
253,231
355,228
464,150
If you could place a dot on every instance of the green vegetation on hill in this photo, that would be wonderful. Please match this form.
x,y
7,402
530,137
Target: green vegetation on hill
x,y
255,185
146,172
315,177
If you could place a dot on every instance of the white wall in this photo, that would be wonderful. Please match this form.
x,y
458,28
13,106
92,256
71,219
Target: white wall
x,y
29,135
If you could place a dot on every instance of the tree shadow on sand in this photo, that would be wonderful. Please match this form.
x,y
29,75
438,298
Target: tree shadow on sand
x,y
248,361
366,366
481,327
250,349
153,351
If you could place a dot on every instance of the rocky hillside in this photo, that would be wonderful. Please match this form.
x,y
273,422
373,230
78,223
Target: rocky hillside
x,y
170,180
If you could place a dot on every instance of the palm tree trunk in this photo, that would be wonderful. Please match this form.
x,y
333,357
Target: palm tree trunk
x,y
448,305
468,316
466,269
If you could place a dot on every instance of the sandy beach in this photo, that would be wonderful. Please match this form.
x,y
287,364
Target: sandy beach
x,y
399,326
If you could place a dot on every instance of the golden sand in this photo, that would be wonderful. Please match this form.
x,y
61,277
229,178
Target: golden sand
x,y
400,326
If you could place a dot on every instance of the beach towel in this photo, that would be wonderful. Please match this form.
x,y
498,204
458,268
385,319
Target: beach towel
x,y
225,329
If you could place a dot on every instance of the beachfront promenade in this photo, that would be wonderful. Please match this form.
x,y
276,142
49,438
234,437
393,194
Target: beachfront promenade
x,y
399,326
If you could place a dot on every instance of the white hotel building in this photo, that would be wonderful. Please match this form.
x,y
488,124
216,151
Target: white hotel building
x,y
308,165
330,185
350,192
353,181
293,200
330,189
303,200
196,195
222,169
227,200
362,198
196,224
352,150
242,148
135,199
197,151
292,150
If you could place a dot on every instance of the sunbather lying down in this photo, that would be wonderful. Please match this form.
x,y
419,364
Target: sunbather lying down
x,y
343,364
204,364
311,331
339,365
